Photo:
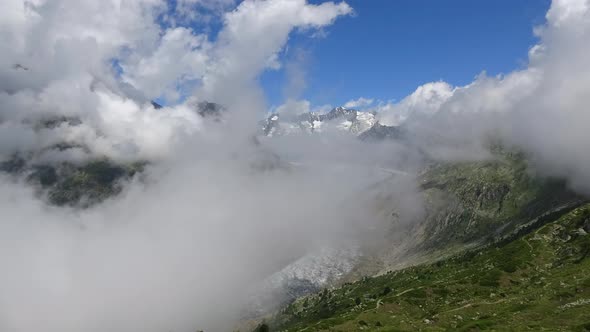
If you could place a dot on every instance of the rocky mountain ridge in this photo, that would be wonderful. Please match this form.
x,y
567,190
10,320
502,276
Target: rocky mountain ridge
x,y
468,205
339,118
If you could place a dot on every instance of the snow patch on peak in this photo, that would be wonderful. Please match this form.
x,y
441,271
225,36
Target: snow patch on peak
x,y
337,119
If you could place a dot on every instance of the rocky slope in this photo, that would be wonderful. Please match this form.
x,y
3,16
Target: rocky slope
x,y
463,205
466,206
534,281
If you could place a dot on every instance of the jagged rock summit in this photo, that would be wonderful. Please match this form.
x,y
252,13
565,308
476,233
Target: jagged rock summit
x,y
339,119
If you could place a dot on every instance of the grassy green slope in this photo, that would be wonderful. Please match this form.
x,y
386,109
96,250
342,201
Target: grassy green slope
x,y
466,205
90,183
84,185
532,282
472,201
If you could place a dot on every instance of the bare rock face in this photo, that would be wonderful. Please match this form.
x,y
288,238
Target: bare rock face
x,y
379,132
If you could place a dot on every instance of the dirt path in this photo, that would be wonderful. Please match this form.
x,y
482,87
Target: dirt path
x,y
468,305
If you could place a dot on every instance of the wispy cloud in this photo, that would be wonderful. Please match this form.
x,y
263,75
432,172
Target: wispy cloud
x,y
359,103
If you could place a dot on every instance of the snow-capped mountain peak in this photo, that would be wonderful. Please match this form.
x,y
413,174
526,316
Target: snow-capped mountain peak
x,y
339,118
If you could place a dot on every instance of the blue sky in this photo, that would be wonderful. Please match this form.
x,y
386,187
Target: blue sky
x,y
392,46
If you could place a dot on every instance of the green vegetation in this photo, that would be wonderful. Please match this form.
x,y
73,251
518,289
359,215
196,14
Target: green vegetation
x,y
84,185
522,282
71,184
477,202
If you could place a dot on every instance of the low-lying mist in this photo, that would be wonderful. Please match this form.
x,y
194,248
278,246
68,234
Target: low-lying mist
x,y
177,253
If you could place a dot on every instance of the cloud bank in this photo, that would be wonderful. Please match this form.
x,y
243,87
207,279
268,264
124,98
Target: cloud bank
x,y
214,212
178,251
541,109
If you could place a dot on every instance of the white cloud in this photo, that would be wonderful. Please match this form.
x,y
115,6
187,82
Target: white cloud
x,y
68,57
322,108
191,8
208,223
181,57
541,109
427,99
241,54
56,39
179,251
294,107
177,254
359,103
295,71
567,12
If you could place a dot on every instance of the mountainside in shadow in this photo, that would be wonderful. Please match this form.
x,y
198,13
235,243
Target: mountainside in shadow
x,y
465,205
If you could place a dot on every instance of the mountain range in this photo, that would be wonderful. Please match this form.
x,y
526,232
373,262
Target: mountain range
x,y
339,118
498,246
